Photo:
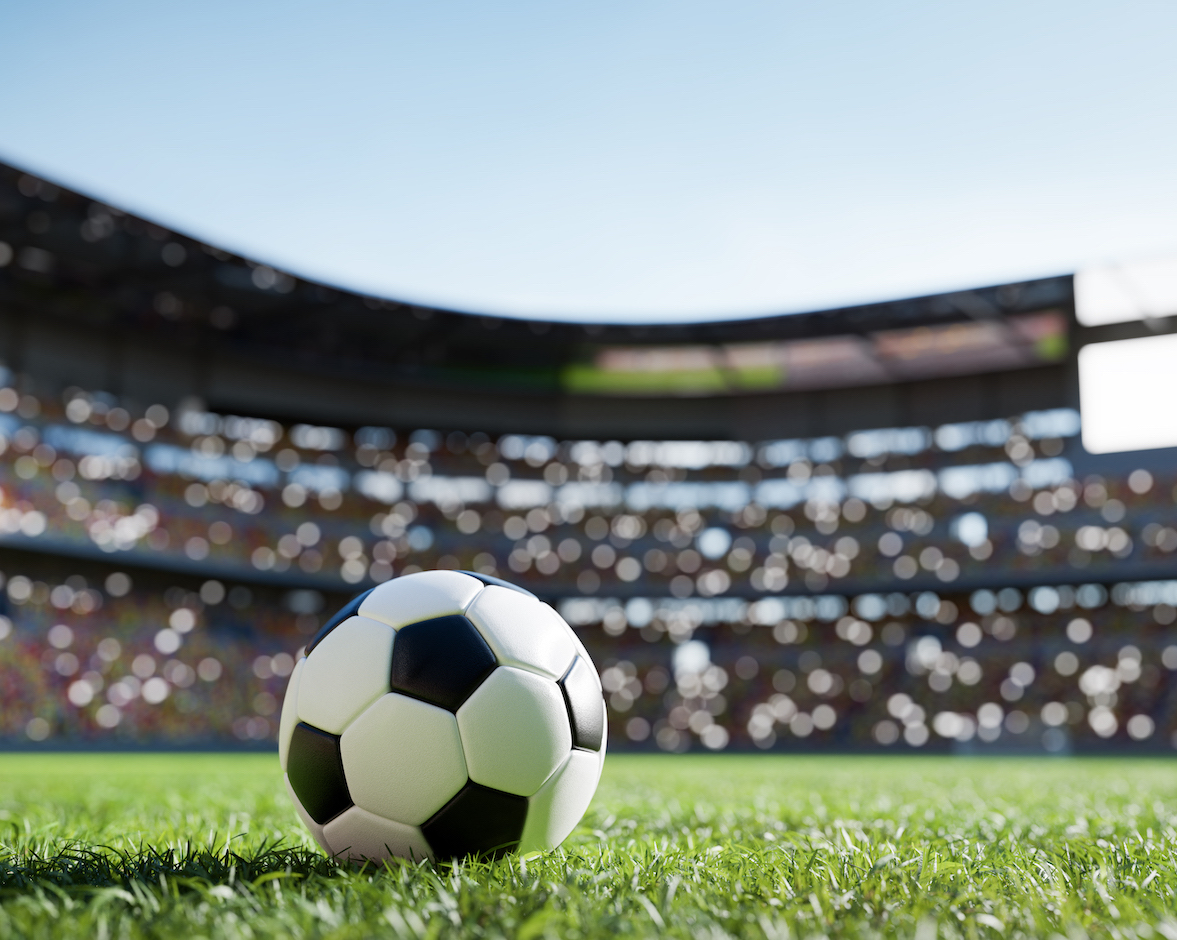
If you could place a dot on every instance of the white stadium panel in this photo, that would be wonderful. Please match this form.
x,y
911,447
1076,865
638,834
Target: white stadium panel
x,y
515,731
420,596
358,834
315,829
345,674
1126,392
561,802
403,759
289,717
1121,293
522,631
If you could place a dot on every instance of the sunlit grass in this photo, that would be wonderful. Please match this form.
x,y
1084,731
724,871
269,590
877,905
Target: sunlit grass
x,y
758,846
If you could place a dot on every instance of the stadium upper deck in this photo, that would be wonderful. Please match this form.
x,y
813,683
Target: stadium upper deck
x,y
93,297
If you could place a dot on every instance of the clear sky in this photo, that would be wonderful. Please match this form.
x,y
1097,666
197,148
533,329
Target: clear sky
x,y
616,160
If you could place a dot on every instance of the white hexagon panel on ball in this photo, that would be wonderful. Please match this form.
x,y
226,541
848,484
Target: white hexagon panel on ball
x,y
345,673
515,731
420,596
555,810
522,631
403,759
360,835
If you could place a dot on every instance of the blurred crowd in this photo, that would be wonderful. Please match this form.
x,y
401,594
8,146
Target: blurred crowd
x,y
960,586
112,658
903,671
101,658
879,509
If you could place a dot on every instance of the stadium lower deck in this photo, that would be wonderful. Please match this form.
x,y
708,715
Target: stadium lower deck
x,y
971,586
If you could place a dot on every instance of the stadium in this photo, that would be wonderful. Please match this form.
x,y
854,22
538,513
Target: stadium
x,y
588,473
865,529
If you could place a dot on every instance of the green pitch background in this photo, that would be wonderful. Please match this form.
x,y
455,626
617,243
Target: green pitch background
x,y
703,847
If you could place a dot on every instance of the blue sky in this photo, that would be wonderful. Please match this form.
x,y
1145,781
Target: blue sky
x,y
616,161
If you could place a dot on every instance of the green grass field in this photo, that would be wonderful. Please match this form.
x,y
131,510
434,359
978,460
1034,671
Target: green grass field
x,y
703,847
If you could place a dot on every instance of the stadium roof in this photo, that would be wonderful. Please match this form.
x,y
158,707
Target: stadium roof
x,y
96,297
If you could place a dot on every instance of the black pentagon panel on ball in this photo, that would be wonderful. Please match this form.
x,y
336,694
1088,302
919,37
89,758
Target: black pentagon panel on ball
x,y
315,769
440,661
582,696
478,821
490,579
347,610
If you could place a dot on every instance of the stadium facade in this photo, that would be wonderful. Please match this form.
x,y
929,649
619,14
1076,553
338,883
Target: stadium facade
x,y
872,527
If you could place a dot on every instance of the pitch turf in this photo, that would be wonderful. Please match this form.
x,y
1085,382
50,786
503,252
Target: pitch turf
x,y
703,847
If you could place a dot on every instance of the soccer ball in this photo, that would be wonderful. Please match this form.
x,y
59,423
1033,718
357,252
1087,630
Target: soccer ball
x,y
439,715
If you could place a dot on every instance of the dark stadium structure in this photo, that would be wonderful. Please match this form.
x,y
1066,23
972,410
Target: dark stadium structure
x,y
866,528
99,299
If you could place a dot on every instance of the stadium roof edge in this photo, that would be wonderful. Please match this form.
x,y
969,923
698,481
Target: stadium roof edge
x,y
99,298
983,302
